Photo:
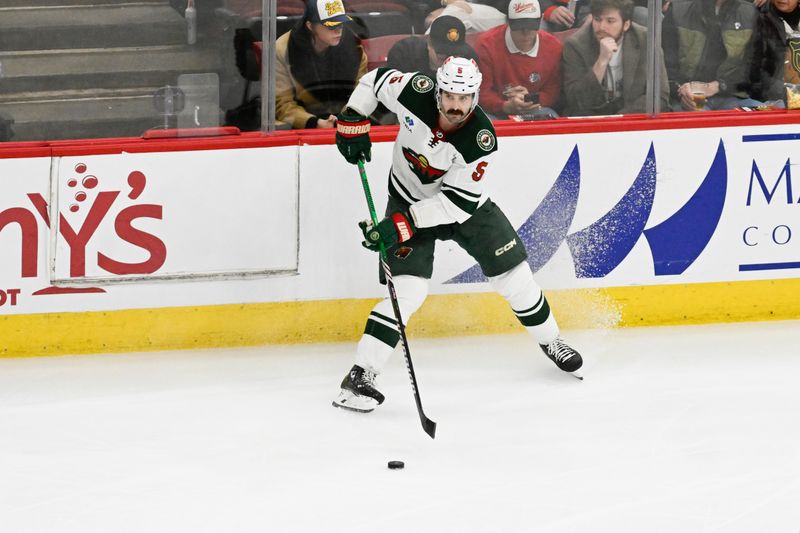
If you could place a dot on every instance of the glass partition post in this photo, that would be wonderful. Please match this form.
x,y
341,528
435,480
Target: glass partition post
x,y
269,10
653,106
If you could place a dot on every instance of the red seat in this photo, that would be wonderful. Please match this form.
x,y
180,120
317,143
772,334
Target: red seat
x,y
365,6
377,49
252,8
564,35
258,49
290,8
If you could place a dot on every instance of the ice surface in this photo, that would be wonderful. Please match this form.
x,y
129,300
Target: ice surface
x,y
680,429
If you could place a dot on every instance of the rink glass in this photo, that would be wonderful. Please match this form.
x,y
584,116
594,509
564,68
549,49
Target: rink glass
x,y
105,69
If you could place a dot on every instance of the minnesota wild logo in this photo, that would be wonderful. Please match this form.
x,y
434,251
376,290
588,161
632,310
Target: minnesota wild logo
x,y
420,166
421,83
485,140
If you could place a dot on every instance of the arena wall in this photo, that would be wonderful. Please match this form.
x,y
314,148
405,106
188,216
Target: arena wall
x,y
132,244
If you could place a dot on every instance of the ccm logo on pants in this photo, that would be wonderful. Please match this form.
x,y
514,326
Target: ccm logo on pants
x,y
504,249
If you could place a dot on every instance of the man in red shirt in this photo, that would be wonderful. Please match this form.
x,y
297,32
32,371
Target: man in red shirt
x,y
521,66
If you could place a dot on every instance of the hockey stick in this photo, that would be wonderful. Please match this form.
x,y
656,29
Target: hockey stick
x,y
428,425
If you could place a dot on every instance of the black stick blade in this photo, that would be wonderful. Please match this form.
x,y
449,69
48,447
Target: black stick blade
x,y
429,426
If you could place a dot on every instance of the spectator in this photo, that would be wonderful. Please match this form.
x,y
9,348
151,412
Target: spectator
x,y
521,66
704,45
477,18
425,54
561,15
318,63
605,63
772,62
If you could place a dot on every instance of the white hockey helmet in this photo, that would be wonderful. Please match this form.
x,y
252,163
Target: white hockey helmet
x,y
458,75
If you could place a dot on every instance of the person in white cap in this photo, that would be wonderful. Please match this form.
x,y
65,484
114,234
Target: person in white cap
x,y
521,66
318,64
441,162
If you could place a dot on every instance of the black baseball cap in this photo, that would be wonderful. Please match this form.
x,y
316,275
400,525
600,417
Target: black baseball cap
x,y
448,37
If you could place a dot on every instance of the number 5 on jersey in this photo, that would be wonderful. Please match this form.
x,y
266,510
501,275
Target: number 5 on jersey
x,y
479,170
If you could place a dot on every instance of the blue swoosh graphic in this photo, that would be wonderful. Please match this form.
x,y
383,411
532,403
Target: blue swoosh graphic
x,y
678,241
544,231
601,247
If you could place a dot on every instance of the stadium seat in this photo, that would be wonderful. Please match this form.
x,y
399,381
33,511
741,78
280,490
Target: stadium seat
x,y
284,23
564,35
377,23
247,46
415,10
377,49
291,7
370,5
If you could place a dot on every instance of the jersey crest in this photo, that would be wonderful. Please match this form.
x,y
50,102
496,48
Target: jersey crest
x,y
420,166
421,83
485,140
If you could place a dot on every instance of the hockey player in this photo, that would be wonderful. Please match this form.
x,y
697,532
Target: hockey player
x,y
441,159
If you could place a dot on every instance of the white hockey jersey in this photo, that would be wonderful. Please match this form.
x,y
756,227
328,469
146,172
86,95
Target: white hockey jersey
x,y
440,174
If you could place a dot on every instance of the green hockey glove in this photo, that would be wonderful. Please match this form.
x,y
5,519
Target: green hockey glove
x,y
352,136
397,227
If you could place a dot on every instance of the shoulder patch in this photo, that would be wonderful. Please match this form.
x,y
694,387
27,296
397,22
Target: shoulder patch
x,y
476,139
421,83
417,97
486,140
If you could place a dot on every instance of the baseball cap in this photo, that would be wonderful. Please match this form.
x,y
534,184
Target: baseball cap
x,y
524,14
327,12
448,34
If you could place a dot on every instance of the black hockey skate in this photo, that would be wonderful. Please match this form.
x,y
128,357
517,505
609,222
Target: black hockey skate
x,y
358,391
565,358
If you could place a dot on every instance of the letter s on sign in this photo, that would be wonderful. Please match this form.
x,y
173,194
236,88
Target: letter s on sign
x,y
147,241
479,170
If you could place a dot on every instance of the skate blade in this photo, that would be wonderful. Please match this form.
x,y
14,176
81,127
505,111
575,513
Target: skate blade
x,y
354,402
576,374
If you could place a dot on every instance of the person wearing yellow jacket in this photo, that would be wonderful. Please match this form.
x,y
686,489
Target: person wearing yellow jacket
x,y
318,64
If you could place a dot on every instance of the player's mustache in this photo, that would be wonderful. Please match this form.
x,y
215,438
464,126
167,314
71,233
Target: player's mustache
x,y
455,112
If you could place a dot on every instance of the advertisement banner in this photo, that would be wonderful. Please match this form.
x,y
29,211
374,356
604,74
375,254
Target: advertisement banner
x,y
24,189
175,215
211,227
644,208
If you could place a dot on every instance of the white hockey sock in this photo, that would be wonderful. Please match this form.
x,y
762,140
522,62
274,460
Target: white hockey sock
x,y
381,333
527,301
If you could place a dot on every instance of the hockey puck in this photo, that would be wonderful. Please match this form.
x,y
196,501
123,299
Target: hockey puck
x,y
396,465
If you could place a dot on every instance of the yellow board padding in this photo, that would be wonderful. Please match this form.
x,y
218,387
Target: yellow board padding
x,y
215,326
